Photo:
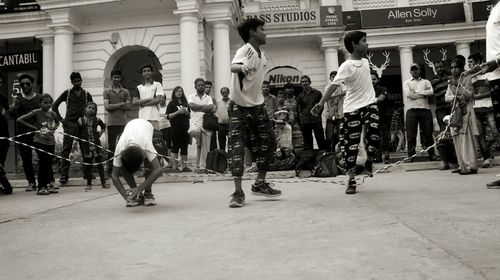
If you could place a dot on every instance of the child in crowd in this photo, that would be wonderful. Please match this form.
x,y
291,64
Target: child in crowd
x,y
360,106
178,113
283,119
88,130
45,120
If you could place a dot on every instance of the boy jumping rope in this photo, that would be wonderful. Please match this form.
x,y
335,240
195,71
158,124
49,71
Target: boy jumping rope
x,y
359,105
249,123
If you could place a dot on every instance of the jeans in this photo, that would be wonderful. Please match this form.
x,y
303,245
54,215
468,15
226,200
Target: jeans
x,y
414,118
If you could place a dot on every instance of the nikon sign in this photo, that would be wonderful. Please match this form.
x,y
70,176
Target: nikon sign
x,y
279,76
408,16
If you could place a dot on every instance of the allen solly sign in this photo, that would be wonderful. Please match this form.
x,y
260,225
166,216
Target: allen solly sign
x,y
431,14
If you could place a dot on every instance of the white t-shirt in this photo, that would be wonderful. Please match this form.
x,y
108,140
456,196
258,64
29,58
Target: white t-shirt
x,y
355,74
197,117
247,91
492,39
150,113
137,132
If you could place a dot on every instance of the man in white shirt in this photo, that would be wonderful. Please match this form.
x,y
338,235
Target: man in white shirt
x,y
200,103
134,148
223,116
416,92
249,123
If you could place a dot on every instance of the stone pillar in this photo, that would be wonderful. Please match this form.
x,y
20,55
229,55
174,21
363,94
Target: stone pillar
x,y
406,58
331,60
222,59
190,51
63,47
463,48
48,65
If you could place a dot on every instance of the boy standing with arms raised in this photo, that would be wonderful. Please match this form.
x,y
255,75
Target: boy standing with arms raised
x,y
249,124
360,106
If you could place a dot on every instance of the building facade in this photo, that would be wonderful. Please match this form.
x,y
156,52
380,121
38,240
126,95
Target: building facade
x,y
186,39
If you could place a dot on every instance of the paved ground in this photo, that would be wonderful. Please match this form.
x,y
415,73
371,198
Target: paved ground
x,y
401,225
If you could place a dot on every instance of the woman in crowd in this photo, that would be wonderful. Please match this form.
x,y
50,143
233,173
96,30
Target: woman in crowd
x,y
178,113
463,125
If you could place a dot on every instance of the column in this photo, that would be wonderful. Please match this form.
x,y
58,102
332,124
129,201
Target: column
x,y
406,58
222,59
190,51
63,47
463,48
48,64
331,60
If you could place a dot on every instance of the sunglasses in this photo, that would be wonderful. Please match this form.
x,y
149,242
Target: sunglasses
x,y
25,84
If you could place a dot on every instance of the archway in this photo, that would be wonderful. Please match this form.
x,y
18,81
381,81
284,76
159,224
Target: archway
x,y
129,61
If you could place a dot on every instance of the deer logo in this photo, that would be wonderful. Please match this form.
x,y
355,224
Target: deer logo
x,y
429,62
382,67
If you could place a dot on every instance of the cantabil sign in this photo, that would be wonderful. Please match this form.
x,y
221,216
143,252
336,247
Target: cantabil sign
x,y
19,59
280,75
408,16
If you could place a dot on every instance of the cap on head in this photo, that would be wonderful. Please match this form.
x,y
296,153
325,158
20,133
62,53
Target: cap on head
x,y
415,66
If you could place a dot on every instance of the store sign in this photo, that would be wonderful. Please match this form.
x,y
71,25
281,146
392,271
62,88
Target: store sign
x,y
17,6
279,76
481,10
287,19
352,20
409,16
19,59
330,16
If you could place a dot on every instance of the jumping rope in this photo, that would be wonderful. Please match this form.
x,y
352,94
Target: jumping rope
x,y
360,180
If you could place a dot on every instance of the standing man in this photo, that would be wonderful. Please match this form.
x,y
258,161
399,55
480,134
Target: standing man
x,y
309,123
208,91
76,99
222,115
116,102
27,102
439,86
200,103
335,115
415,93
249,123
270,100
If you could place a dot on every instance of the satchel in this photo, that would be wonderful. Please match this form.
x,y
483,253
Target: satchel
x,y
456,119
210,122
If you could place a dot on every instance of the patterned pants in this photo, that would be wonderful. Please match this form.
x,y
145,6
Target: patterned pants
x,y
251,127
350,135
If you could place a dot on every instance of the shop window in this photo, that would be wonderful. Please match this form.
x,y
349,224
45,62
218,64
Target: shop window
x,y
370,4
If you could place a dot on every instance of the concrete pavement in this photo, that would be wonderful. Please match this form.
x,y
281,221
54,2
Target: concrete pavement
x,y
401,225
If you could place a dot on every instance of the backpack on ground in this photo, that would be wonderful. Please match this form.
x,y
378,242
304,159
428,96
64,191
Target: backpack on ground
x,y
284,160
326,165
305,162
217,160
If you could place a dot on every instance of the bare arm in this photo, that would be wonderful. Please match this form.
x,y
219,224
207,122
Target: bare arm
x,y
59,100
201,108
115,177
22,120
113,107
155,174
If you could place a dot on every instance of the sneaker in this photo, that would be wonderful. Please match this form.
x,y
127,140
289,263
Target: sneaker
x,y
52,190
237,200
265,189
43,191
186,169
88,188
31,187
351,187
131,202
149,199
175,170
105,185
487,163
63,180
53,185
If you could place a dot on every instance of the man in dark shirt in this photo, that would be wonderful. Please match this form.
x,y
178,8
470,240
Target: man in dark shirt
x,y
440,85
76,98
27,102
385,113
309,123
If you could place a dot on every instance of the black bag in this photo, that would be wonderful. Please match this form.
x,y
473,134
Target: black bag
x,y
210,122
326,165
305,163
285,160
217,160
456,119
